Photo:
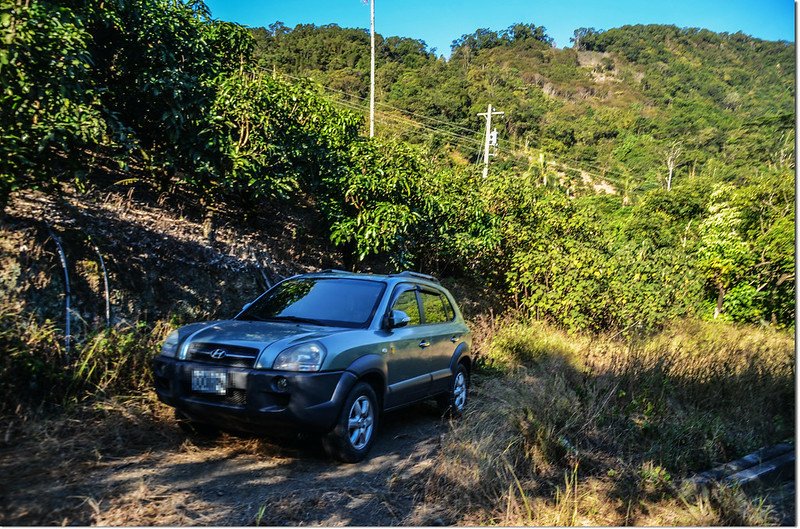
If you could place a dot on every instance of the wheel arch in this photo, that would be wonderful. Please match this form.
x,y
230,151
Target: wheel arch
x,y
461,356
378,384
372,369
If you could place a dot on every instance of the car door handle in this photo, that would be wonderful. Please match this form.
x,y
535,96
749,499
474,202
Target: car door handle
x,y
454,339
424,343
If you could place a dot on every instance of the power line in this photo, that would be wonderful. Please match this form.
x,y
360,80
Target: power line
x,y
520,149
524,150
462,140
387,105
408,121
401,120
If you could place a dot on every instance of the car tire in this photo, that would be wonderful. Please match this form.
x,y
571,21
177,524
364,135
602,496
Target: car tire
x,y
354,433
454,402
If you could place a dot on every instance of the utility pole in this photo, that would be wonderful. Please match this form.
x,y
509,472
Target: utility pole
x,y
372,69
491,137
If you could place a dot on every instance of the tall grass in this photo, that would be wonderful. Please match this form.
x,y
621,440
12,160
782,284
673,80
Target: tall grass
x,y
36,370
593,430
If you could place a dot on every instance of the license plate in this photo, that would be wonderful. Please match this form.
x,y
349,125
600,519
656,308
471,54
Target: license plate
x,y
204,381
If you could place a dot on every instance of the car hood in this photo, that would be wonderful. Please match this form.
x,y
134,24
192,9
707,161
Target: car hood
x,y
270,338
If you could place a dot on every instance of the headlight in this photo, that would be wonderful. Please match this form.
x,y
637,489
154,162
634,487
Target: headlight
x,y
170,346
303,357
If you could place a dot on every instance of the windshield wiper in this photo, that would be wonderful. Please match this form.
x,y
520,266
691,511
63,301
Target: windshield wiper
x,y
250,317
293,319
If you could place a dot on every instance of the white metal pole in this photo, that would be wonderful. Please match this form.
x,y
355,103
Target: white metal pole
x,y
488,138
486,143
372,69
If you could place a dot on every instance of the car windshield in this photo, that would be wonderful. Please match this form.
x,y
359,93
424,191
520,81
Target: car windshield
x,y
320,301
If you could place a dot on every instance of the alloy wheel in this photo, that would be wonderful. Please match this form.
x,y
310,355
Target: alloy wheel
x,y
360,422
460,391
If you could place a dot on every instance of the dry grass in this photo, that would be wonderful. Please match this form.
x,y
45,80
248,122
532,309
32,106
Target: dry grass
x,y
87,434
153,506
58,448
570,429
37,370
46,457
584,430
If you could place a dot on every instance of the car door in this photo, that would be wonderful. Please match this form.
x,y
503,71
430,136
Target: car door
x,y
437,314
408,374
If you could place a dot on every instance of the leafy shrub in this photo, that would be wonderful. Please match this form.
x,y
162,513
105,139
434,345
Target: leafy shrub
x,y
742,304
382,200
49,104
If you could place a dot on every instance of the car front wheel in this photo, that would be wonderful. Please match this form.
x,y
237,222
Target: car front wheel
x,y
352,437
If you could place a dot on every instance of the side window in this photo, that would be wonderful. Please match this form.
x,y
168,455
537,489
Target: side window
x,y
448,308
407,302
434,308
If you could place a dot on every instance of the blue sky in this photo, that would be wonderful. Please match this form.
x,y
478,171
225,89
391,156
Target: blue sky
x,y
439,23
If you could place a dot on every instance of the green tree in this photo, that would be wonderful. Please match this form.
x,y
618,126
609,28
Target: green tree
x,y
50,108
723,255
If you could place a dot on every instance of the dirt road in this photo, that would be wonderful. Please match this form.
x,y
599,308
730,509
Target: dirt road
x,y
172,479
128,464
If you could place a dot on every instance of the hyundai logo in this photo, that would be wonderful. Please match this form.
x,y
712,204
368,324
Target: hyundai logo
x,y
216,354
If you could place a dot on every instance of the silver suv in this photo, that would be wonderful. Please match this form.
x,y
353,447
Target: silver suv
x,y
326,352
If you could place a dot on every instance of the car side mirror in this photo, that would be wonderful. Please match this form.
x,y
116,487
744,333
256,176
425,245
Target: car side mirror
x,y
397,319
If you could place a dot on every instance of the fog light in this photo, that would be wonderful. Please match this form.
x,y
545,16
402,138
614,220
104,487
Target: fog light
x,y
281,383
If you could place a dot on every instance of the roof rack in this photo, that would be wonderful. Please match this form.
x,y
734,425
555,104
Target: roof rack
x,y
333,271
409,273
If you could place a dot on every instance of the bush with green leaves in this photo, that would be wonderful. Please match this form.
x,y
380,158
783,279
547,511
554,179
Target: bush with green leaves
x,y
271,138
161,85
382,201
50,107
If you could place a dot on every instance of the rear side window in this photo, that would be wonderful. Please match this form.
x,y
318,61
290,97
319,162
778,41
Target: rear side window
x,y
448,308
407,302
436,307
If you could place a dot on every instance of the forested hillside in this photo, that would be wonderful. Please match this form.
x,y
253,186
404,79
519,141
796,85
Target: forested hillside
x,y
627,267
689,131
615,100
645,172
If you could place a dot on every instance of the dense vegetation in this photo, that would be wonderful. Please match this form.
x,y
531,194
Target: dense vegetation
x,y
689,131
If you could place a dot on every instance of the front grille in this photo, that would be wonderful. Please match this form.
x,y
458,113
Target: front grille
x,y
227,355
236,396
233,397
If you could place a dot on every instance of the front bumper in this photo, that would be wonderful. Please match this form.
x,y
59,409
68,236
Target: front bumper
x,y
308,402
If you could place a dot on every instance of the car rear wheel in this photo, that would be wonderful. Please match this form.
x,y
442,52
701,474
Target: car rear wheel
x,y
352,437
456,399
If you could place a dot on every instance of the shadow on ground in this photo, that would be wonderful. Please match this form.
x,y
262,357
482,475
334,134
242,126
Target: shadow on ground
x,y
169,478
